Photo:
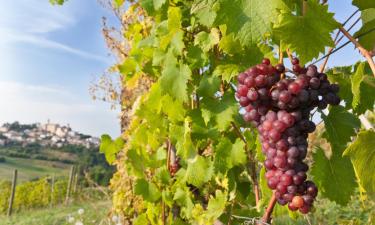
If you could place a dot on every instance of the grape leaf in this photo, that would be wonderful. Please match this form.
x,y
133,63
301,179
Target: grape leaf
x,y
364,4
219,110
148,5
229,44
158,3
196,57
174,78
228,155
216,206
357,79
226,71
147,190
118,3
184,145
208,86
340,127
199,171
362,155
238,155
173,109
205,12
207,40
182,197
363,84
249,20
342,76
110,147
307,35
141,219
334,177
162,175
368,24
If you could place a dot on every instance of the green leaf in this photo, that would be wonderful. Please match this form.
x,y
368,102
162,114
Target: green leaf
x,y
208,86
196,57
148,5
355,88
205,12
199,171
57,2
357,79
110,148
362,156
306,35
128,67
118,3
364,4
229,44
174,78
141,219
368,24
216,205
207,40
366,93
238,155
174,18
220,110
222,156
147,190
226,71
183,199
249,20
340,127
162,175
184,145
334,176
158,3
174,109
228,155
342,76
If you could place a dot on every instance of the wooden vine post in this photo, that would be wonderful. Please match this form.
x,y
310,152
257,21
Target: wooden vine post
x,y
52,189
70,182
11,198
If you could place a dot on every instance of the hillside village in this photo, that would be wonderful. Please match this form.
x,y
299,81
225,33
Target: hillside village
x,y
48,134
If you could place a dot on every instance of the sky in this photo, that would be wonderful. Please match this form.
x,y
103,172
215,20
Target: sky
x,y
49,55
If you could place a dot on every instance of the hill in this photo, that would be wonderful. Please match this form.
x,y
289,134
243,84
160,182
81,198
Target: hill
x,y
38,150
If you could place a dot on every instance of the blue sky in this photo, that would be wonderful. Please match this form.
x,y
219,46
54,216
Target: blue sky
x,y
49,55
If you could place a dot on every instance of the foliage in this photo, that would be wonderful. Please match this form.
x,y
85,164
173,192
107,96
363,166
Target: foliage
x,y
33,194
185,156
94,212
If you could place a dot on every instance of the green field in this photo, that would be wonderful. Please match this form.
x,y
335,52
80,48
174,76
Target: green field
x,y
29,169
93,213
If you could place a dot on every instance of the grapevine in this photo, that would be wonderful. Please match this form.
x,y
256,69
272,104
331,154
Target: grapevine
x,y
282,109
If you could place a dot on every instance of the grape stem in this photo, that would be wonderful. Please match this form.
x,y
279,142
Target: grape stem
x,y
363,51
267,214
252,166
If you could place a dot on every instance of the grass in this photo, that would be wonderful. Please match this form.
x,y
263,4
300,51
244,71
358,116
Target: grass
x,y
94,213
29,169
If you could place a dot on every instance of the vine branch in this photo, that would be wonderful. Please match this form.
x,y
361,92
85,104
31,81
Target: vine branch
x,y
336,40
267,214
343,45
363,51
253,174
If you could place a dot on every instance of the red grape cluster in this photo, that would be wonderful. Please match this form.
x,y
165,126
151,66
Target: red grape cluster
x,y
281,109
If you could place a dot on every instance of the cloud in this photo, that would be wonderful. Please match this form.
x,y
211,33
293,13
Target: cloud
x,y
32,103
32,21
